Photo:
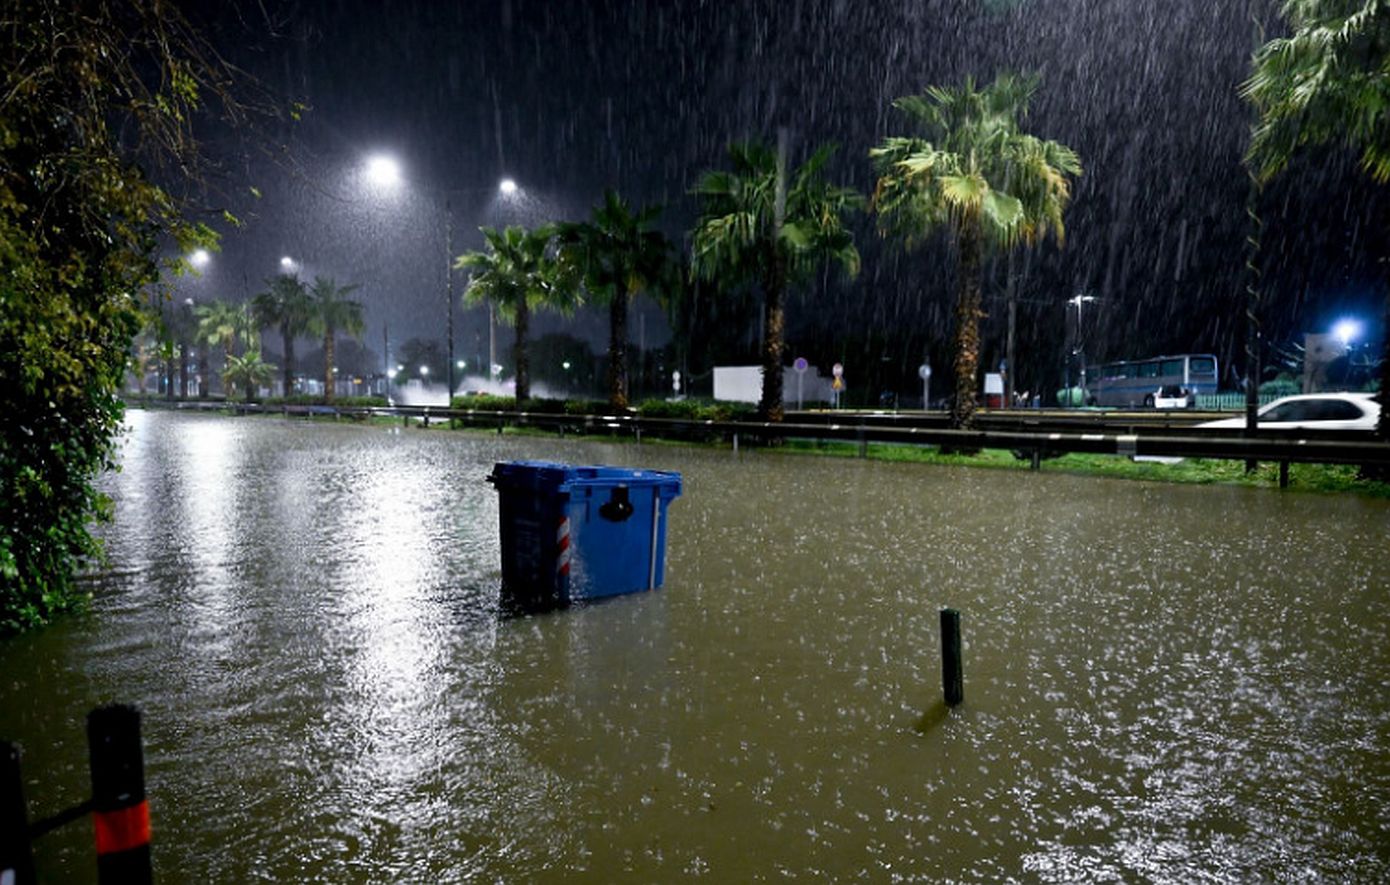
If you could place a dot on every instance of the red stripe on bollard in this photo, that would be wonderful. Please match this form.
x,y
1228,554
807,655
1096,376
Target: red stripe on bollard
x,y
123,829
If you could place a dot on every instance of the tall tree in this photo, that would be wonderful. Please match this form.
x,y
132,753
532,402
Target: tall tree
x,y
333,313
517,273
974,172
91,96
285,305
218,325
760,223
618,255
1328,83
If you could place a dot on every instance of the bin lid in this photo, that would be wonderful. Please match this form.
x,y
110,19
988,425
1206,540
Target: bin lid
x,y
557,477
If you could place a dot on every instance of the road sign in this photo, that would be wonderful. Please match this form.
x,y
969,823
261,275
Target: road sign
x,y
801,365
924,371
838,370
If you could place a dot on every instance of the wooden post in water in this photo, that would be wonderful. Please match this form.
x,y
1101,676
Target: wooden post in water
x,y
952,679
120,812
16,857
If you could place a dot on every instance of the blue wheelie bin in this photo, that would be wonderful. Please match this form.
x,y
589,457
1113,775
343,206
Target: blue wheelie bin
x,y
575,533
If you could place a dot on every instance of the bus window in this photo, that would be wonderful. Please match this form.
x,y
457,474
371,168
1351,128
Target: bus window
x,y
1172,367
1148,370
1202,365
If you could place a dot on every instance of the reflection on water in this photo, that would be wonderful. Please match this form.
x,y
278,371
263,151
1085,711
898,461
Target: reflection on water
x,y
1162,683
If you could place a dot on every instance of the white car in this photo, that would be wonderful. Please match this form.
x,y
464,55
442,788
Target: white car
x,y
1312,411
1307,411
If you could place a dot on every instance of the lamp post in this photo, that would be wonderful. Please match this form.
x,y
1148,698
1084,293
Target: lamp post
x,y
1077,301
383,171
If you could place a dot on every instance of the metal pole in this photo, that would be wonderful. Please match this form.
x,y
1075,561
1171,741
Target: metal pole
x,y
449,291
952,679
120,812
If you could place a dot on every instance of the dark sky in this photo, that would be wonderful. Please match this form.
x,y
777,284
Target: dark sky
x,y
571,97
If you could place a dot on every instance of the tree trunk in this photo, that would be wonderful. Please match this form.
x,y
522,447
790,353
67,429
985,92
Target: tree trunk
x,y
289,360
967,335
328,366
204,370
523,373
617,349
774,321
183,371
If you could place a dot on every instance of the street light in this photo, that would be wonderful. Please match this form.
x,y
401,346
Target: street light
x,y
1346,330
199,258
1077,301
287,264
385,172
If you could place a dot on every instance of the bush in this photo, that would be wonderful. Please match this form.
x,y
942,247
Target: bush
x,y
1280,387
696,410
347,402
485,403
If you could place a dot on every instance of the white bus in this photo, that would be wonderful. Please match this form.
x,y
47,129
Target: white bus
x,y
1134,383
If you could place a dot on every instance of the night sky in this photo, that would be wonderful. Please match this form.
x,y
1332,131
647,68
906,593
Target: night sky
x,y
569,98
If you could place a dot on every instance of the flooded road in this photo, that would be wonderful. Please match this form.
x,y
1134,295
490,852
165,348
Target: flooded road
x,y
1163,683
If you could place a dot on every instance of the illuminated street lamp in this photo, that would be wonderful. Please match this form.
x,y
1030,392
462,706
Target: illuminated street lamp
x,y
385,172
1346,331
199,258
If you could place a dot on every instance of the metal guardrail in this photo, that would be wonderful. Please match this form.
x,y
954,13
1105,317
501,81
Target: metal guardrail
x,y
1037,443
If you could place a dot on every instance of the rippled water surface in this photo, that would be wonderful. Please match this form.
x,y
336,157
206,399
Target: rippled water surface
x,y
1162,683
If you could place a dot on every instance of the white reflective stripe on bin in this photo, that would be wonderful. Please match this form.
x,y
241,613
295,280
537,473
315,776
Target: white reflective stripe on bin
x,y
656,533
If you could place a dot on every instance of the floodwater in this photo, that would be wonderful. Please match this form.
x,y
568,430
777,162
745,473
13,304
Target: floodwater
x,y
1162,683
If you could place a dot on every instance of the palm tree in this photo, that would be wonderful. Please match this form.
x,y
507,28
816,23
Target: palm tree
x,y
249,371
1326,83
975,172
285,305
218,323
758,224
617,255
333,313
517,274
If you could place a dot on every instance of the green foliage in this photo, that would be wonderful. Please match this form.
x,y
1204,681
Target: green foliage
x,y
1280,387
1326,83
973,171
485,403
248,372
737,237
762,223
617,255
285,305
79,228
517,274
696,410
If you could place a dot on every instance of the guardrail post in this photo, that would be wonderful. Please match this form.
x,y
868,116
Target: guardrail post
x,y
1283,474
952,680
16,856
863,443
1037,460
120,812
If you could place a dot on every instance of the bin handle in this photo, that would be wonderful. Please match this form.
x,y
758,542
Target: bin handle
x,y
618,507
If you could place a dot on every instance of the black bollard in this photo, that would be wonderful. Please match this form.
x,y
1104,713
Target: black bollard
x,y
952,679
120,812
16,857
